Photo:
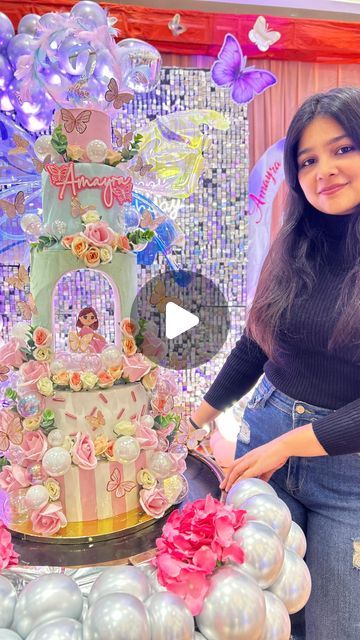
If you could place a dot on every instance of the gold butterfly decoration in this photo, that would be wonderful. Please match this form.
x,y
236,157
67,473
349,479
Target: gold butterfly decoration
x,y
159,299
148,222
21,280
177,363
141,167
118,98
123,140
13,434
79,343
119,487
40,166
21,145
28,308
77,209
79,123
4,371
16,207
96,421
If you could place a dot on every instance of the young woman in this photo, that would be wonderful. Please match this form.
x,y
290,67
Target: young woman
x,y
302,424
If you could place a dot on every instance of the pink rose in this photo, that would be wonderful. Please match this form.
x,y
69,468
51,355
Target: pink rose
x,y
83,452
153,347
146,437
42,337
99,233
8,557
34,445
14,477
48,519
10,354
30,373
153,502
135,367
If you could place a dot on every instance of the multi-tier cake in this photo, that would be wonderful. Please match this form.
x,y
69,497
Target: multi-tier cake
x,y
89,432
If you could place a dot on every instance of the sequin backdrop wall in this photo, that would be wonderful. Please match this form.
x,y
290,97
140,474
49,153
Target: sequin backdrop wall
x,y
213,219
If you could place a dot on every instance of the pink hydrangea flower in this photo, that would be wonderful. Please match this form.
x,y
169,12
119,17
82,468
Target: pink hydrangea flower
x,y
8,557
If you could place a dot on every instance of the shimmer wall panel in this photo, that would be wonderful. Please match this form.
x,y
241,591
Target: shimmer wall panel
x,y
213,219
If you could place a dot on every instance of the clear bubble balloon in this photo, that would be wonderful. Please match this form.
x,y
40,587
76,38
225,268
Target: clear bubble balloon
x,y
43,147
7,31
118,616
122,579
62,361
126,449
73,56
161,464
293,585
36,496
19,45
111,356
90,15
31,224
35,122
169,617
8,602
56,461
6,73
7,634
50,20
29,405
104,66
36,473
91,362
144,65
29,24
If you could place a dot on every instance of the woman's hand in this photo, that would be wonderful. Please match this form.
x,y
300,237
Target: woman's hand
x,y
261,463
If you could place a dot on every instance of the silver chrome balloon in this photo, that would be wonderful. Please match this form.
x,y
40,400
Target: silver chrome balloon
x,y
169,617
44,599
151,574
296,540
199,636
118,616
61,629
7,634
271,510
121,579
264,552
277,623
7,602
244,489
234,608
293,585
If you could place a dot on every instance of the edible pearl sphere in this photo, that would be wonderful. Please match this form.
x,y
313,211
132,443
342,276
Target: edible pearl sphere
x,y
161,465
31,223
111,357
147,421
28,405
56,438
36,496
126,449
43,147
96,151
56,461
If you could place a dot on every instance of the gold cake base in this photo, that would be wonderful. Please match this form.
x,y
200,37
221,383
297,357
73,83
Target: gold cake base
x,y
91,531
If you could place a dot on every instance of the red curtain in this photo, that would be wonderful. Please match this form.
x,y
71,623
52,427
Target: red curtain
x,y
302,40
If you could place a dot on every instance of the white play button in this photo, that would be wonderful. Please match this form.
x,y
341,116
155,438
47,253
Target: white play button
x,y
178,320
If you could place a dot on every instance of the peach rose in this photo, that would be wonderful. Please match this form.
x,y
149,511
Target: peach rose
x,y
123,243
153,347
67,241
48,519
33,446
74,152
14,477
92,257
149,381
110,451
100,444
10,354
30,373
154,502
61,378
42,337
99,234
83,452
79,246
129,327
116,372
129,346
75,381
105,380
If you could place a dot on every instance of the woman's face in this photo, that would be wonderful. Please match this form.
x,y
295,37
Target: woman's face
x,y
329,167
87,319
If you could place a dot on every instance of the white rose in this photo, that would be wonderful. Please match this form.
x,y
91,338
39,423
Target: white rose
x,y
90,216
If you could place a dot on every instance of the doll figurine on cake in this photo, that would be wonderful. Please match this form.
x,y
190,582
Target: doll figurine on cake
x,y
87,338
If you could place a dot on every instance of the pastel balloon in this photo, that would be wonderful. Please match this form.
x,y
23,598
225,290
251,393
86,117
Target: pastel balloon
x,y
271,510
8,602
29,24
56,461
244,489
264,552
118,616
169,617
6,31
122,579
161,464
44,599
6,73
19,45
43,147
296,540
144,64
59,629
90,15
293,585
234,608
7,634
277,622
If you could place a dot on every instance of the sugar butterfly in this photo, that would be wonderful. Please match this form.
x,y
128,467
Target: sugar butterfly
x,y
261,35
148,222
40,165
77,209
12,435
96,420
79,343
118,98
79,122
4,371
186,434
175,25
21,145
28,308
16,207
21,280
230,71
119,487
141,167
123,139
159,299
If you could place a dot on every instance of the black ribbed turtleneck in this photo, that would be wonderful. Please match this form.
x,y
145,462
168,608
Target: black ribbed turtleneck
x,y
304,368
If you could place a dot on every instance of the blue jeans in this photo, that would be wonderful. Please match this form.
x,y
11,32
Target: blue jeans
x,y
323,495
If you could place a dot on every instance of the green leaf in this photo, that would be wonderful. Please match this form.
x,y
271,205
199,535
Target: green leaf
x,y
59,140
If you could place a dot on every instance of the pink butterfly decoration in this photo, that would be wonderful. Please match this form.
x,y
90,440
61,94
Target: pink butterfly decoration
x,y
119,487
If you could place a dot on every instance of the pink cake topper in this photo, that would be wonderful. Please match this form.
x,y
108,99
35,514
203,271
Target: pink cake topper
x,y
64,177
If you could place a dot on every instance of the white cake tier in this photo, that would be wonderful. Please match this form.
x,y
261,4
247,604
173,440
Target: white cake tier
x,y
97,410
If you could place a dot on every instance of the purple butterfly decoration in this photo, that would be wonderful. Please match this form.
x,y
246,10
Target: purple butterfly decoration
x,y
229,70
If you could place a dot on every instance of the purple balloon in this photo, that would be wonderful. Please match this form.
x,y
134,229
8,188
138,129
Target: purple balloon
x,y
104,66
18,46
35,103
5,104
6,73
28,24
35,123
6,31
51,20
73,56
90,15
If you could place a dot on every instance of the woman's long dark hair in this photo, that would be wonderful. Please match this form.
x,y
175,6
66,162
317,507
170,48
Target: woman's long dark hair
x,y
291,266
